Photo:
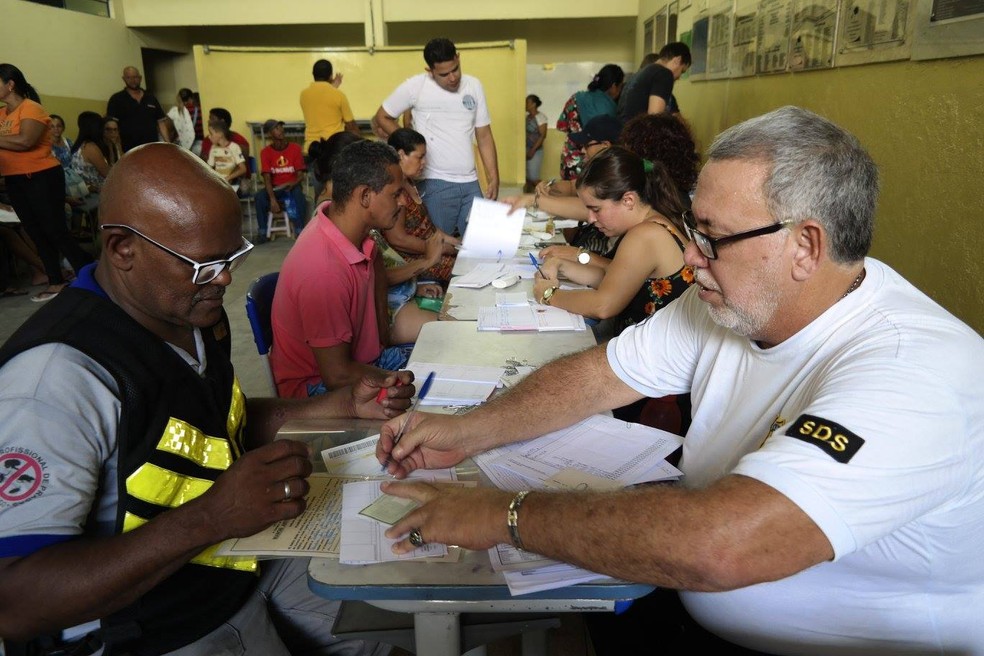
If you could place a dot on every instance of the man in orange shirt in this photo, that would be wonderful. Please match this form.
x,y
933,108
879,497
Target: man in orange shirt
x,y
326,109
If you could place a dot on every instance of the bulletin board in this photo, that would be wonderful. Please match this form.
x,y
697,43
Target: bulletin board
x,y
256,84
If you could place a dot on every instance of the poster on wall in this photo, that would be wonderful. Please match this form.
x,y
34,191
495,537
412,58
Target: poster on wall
x,y
698,49
814,26
719,42
772,33
870,24
874,30
743,45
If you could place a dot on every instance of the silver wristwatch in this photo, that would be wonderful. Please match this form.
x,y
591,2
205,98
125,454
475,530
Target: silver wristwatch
x,y
583,255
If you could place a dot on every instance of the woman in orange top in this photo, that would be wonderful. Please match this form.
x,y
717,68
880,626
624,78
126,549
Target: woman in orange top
x,y
35,179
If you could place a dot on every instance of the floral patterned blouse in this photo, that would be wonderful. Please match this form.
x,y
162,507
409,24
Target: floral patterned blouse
x,y
655,292
418,224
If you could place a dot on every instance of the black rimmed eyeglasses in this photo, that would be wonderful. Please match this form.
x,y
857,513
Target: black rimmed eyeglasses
x,y
205,272
708,245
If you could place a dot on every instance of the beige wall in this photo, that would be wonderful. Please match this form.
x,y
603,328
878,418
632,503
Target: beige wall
x,y
922,123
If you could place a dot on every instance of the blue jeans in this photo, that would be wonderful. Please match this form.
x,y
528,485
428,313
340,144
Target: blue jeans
x,y
296,208
448,203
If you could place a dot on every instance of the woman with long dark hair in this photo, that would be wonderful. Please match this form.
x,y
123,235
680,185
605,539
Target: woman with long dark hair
x,y
636,201
35,178
90,156
599,98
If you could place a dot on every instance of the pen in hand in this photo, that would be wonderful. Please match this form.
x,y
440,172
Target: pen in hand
x,y
420,396
537,265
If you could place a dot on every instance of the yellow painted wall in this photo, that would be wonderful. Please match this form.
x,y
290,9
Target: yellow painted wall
x,y
46,44
146,13
230,80
923,123
237,12
445,10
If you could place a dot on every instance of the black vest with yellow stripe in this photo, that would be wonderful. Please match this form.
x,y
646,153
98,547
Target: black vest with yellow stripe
x,y
177,433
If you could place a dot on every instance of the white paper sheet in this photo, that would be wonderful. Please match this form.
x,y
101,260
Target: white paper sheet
x,y
602,446
362,540
492,231
457,384
358,459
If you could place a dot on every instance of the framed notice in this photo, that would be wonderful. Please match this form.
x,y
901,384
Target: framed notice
x,y
947,28
813,29
772,35
874,31
743,41
719,41
698,49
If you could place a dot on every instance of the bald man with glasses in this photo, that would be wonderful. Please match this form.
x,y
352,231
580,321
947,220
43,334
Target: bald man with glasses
x,y
128,450
833,491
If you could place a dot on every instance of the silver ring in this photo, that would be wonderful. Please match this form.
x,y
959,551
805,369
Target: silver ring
x,y
286,490
416,539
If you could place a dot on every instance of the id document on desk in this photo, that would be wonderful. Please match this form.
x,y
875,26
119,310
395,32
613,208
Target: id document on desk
x,y
315,532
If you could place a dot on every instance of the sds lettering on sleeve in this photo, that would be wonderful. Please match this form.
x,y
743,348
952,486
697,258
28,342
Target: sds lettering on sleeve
x,y
840,443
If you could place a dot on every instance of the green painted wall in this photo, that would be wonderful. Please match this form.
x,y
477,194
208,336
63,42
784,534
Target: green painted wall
x,y
923,122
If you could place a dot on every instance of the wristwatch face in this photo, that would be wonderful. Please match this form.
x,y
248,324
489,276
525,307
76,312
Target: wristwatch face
x,y
584,257
548,294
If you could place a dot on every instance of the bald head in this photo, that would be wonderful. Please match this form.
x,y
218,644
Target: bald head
x,y
164,188
131,78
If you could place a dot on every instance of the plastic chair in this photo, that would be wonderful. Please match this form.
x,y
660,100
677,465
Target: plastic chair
x,y
279,223
259,303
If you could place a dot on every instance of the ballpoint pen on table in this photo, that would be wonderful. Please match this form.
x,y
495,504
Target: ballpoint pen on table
x,y
537,265
420,397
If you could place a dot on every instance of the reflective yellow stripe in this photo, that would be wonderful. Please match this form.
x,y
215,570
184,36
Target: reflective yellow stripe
x,y
183,439
236,421
163,487
206,557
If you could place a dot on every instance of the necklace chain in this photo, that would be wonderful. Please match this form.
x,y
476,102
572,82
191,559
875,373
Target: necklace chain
x,y
855,284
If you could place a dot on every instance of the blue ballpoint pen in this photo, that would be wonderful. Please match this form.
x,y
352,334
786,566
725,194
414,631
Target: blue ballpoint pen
x,y
537,265
420,397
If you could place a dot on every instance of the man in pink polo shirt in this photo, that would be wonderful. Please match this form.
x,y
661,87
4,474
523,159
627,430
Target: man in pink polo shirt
x,y
330,325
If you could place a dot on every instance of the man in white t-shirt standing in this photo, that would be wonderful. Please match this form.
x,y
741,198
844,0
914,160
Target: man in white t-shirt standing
x,y
449,109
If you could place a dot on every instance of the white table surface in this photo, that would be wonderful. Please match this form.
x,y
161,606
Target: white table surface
x,y
438,592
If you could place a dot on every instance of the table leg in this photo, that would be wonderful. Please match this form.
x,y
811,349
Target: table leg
x,y
437,634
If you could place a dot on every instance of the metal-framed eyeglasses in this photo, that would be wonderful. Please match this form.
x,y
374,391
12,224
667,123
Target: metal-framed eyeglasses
x,y
204,272
708,245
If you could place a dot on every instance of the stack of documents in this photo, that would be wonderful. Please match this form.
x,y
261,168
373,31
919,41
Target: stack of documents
x,y
599,453
457,384
542,318
482,275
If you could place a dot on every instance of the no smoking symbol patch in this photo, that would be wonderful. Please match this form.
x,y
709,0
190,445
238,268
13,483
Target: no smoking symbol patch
x,y
20,477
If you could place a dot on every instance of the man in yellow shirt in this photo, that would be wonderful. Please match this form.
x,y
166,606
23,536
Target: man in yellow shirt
x,y
326,109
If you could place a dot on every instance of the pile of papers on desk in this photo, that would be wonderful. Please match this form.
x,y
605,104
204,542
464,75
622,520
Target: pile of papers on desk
x,y
599,453
530,317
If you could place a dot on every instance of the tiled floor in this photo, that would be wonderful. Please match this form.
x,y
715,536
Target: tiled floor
x,y
569,640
